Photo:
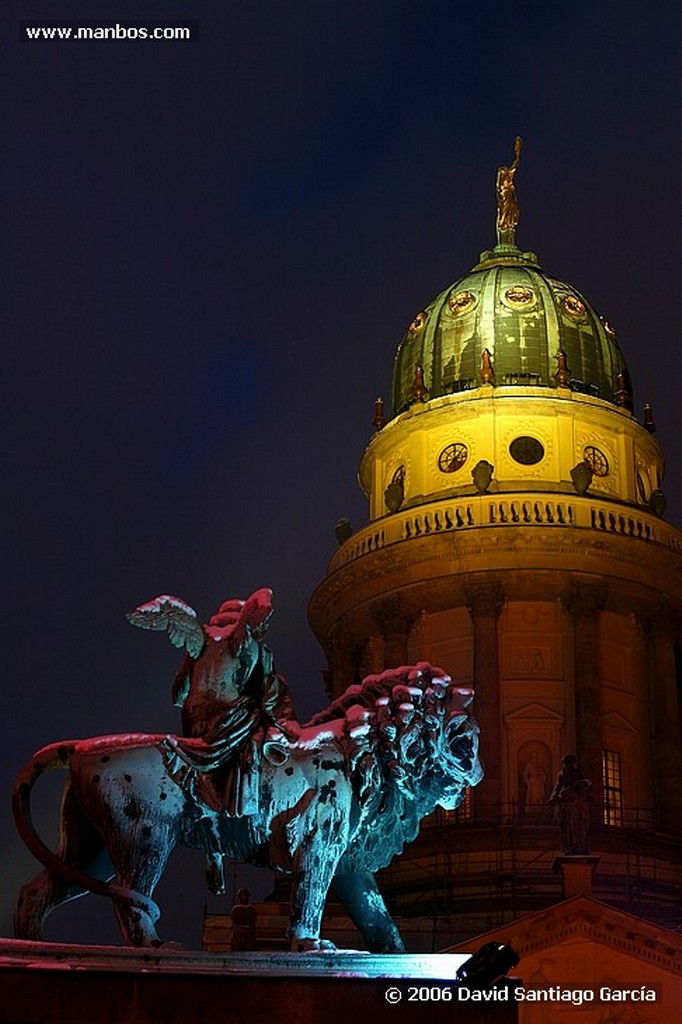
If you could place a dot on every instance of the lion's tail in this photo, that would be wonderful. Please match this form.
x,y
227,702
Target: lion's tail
x,y
58,756
48,759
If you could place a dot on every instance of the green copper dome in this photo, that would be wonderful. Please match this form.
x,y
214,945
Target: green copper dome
x,y
508,323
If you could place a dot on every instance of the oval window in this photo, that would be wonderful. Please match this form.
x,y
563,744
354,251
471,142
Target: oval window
x,y
526,450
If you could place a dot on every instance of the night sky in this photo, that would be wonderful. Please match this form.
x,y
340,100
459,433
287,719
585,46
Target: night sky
x,y
209,253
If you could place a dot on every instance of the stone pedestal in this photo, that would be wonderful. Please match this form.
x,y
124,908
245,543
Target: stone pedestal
x,y
46,983
577,872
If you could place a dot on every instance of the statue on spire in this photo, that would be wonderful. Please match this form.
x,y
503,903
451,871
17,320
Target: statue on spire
x,y
507,206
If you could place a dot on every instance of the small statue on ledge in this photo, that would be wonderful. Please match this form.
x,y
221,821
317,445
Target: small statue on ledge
x,y
244,916
328,803
573,794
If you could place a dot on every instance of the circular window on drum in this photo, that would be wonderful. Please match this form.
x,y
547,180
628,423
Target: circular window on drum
x,y
453,457
596,460
526,450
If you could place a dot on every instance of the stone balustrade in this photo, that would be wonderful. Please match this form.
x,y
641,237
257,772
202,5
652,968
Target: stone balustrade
x,y
500,510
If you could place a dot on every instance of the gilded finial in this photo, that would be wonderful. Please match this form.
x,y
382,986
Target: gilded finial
x,y
623,390
648,423
487,372
379,420
419,390
563,374
507,206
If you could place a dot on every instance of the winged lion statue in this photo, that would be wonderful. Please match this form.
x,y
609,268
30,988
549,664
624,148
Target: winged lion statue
x,y
328,802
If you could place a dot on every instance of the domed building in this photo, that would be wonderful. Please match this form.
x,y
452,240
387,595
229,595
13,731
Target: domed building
x,y
516,537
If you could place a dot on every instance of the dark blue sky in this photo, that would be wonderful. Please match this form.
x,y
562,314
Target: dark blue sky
x,y
210,251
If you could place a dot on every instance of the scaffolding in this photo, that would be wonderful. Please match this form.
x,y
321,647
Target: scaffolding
x,y
482,874
461,878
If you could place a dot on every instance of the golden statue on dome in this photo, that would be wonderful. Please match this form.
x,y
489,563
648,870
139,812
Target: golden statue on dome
x,y
507,206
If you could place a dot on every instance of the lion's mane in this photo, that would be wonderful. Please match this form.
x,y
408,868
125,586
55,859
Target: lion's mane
x,y
410,745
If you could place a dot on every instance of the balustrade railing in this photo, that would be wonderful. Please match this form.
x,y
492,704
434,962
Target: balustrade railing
x,y
520,509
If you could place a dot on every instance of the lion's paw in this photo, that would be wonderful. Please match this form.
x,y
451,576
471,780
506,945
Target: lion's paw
x,y
300,945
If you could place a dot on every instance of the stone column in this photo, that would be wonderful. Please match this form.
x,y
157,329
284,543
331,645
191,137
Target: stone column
x,y
584,605
417,645
395,622
372,656
342,658
640,637
484,602
667,756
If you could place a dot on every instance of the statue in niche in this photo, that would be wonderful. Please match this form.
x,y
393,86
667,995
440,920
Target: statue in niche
x,y
534,768
572,794
535,782
244,916
328,802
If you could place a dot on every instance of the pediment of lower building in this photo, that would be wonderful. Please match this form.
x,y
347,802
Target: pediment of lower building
x,y
615,937
614,720
533,710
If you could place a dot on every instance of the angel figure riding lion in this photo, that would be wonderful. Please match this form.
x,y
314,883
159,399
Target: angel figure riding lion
x,y
328,802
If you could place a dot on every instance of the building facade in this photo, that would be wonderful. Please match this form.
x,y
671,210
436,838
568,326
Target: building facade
x,y
516,538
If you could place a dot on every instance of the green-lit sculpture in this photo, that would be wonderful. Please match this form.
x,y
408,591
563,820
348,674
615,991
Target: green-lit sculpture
x,y
329,802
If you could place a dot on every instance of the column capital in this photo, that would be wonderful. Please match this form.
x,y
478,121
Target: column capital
x,y
484,599
339,651
342,659
392,616
585,600
371,658
665,619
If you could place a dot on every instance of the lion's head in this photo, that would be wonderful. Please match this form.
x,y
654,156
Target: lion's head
x,y
411,744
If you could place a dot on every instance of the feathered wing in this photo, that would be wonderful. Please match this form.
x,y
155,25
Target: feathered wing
x,y
175,617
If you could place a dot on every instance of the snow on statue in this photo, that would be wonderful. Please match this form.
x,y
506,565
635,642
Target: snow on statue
x,y
328,803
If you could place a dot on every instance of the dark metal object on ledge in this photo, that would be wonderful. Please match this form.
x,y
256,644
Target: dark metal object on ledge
x,y
487,965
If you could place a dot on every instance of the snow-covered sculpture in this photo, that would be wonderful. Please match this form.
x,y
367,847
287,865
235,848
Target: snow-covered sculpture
x,y
329,802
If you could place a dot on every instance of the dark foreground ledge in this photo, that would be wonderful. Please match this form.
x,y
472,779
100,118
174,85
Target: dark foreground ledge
x,y
49,983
